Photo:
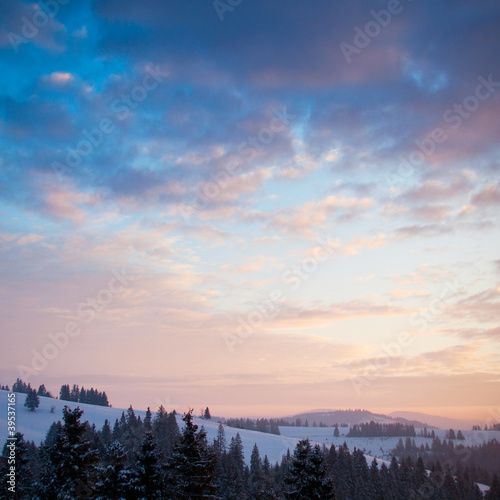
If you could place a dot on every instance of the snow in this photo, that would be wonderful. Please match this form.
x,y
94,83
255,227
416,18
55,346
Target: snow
x,y
34,425
379,447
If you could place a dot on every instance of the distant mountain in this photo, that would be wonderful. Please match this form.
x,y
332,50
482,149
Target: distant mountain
x,y
435,420
350,417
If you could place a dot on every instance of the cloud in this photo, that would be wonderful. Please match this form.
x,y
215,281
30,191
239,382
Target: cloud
x,y
311,216
353,247
426,230
62,203
59,78
490,195
29,238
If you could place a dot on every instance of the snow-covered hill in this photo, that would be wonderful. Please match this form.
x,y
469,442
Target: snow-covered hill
x,y
34,425
379,447
436,421
349,417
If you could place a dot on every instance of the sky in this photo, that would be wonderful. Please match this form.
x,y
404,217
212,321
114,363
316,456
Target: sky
x,y
263,207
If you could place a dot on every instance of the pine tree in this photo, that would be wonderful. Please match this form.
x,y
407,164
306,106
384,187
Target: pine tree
x,y
32,401
148,421
207,415
192,464
166,431
19,386
64,393
256,475
336,432
375,483
307,475
494,492
70,462
150,479
220,442
23,469
115,481
106,435
42,391
75,394
235,481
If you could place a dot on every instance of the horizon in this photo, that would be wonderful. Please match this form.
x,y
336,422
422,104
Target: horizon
x,y
262,208
488,415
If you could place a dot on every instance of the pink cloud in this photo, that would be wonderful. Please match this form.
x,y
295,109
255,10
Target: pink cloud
x,y
62,203
490,195
29,238
310,216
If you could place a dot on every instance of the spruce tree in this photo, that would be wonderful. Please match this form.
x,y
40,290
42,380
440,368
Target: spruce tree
x,y
235,481
114,480
42,391
192,465
150,479
494,492
256,480
106,435
307,476
148,421
32,401
64,393
23,468
70,461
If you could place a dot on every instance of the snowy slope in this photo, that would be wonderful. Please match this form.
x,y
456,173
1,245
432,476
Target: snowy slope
x,y
34,425
350,417
379,447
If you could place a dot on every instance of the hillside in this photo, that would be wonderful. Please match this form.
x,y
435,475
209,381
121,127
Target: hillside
x,y
34,425
349,417
434,420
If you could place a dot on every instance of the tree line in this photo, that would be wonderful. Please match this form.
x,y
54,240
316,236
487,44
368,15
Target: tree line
x,y
152,458
482,461
25,388
88,396
270,426
75,394
375,429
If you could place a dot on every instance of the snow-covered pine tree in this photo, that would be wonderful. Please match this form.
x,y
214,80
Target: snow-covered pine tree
x,y
149,473
70,462
307,476
24,470
114,480
192,465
